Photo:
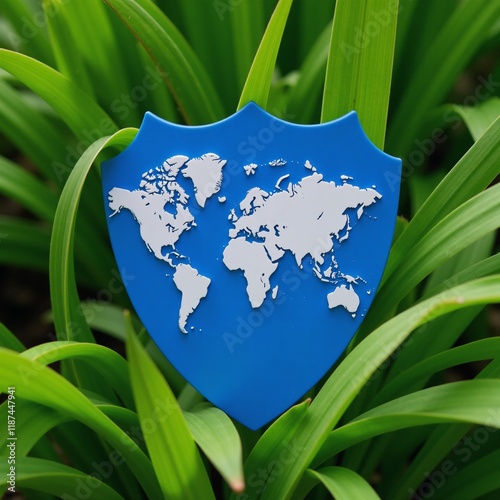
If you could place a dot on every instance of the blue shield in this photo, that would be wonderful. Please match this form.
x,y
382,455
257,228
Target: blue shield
x,y
251,248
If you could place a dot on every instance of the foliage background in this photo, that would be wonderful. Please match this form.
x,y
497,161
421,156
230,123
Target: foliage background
x,y
403,413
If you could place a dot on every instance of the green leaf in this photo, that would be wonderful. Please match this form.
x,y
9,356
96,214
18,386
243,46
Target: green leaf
x,y
474,254
80,112
165,429
18,184
347,380
112,367
281,433
46,387
57,479
216,435
471,401
466,224
490,265
247,26
474,480
180,67
358,75
413,41
32,133
311,19
476,118
216,56
445,330
69,323
259,78
9,340
69,58
33,421
105,317
212,430
24,243
344,484
467,28
414,376
189,398
306,94
437,446
470,176
27,36
64,296
86,48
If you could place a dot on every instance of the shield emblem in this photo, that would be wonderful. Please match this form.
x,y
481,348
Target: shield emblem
x,y
252,248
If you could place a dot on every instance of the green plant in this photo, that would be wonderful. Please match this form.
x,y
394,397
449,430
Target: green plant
x,y
385,420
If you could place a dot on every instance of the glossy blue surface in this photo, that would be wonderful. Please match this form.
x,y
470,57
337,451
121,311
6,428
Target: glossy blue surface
x,y
253,363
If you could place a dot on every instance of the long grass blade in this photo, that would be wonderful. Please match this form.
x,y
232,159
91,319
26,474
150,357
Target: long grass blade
x,y
48,388
413,40
57,479
9,340
81,113
305,96
471,401
476,479
26,189
281,433
344,484
181,475
247,25
466,29
89,49
412,378
216,56
258,82
438,445
112,367
180,67
27,35
65,303
31,133
358,74
69,323
24,243
343,385
33,421
216,435
469,222
69,58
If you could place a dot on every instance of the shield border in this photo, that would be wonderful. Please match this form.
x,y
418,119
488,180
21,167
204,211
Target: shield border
x,y
262,403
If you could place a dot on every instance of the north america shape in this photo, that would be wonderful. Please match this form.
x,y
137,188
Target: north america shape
x,y
305,218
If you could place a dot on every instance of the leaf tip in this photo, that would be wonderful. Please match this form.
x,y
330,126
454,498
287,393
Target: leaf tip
x,y
238,485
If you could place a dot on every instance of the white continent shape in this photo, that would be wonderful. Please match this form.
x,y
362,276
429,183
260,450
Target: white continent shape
x,y
305,218
344,296
159,205
193,287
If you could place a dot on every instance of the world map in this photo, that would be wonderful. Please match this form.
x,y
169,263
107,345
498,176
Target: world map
x,y
306,218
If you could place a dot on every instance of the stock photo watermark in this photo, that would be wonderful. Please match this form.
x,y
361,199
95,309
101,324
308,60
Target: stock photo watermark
x,y
269,472
426,146
11,439
121,106
461,453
